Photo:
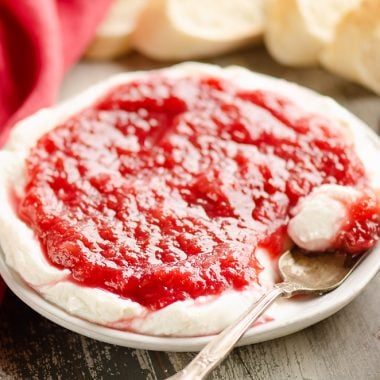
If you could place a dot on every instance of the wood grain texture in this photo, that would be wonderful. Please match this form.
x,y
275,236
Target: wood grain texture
x,y
345,346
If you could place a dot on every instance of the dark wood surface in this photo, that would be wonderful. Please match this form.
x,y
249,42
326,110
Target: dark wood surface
x,y
344,346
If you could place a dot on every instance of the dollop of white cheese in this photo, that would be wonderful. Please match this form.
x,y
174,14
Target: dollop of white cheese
x,y
320,216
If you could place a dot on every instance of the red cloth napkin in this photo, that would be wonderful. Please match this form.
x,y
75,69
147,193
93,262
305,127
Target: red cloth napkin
x,y
39,41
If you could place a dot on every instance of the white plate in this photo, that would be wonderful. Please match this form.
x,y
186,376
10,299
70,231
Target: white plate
x,y
291,315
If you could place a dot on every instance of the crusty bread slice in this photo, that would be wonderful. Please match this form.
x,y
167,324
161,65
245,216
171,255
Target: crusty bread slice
x,y
113,38
187,29
296,30
355,51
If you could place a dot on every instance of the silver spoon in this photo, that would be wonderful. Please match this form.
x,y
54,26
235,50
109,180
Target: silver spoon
x,y
302,273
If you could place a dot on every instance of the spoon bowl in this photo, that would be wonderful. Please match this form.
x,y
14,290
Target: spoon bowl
x,y
316,273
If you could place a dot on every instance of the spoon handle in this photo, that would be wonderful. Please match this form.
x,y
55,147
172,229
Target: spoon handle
x,y
218,348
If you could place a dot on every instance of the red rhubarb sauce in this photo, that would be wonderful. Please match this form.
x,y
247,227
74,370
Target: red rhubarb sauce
x,y
163,189
362,227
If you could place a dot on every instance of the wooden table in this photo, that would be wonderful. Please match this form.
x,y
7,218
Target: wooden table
x,y
345,346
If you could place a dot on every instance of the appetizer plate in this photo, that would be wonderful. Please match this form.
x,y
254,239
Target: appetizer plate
x,y
288,316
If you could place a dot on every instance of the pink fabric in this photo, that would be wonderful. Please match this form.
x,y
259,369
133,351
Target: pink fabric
x,y
39,41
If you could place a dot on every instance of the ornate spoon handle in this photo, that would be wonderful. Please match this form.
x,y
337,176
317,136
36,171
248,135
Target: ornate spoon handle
x,y
219,347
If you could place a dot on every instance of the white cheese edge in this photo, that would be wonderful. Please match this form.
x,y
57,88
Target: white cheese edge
x,y
183,318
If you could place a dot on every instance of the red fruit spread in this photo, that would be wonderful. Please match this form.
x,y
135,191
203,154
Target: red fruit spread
x,y
163,189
